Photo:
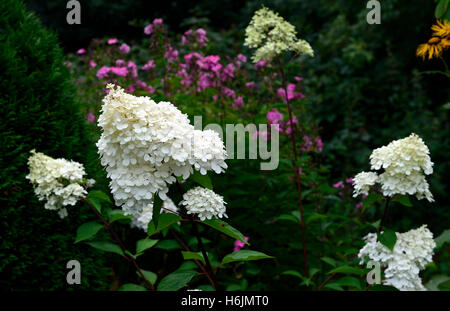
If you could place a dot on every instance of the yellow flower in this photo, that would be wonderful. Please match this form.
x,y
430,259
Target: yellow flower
x,y
433,48
441,29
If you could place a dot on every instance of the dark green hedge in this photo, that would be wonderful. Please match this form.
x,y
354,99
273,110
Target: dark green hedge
x,y
38,111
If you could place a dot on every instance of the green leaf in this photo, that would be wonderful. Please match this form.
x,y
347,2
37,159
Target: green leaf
x,y
294,273
349,281
348,270
388,238
441,8
432,285
403,200
168,245
150,276
371,199
87,230
225,228
376,224
329,261
443,238
157,204
99,195
202,180
193,255
334,286
116,214
288,217
176,280
106,247
444,285
165,220
144,244
244,255
95,203
132,287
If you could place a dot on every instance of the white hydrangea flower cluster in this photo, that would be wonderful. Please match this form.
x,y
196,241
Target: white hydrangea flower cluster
x,y
363,181
205,203
272,35
412,251
405,162
145,145
49,177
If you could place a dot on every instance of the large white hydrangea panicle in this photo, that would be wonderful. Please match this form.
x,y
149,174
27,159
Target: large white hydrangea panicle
x,y
205,203
412,251
363,181
50,177
145,145
405,163
271,35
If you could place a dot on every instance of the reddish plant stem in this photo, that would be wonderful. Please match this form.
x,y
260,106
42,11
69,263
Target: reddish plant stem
x,y
384,214
297,174
120,243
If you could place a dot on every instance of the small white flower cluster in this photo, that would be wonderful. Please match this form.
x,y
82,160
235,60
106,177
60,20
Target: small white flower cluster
x,y
205,203
405,162
50,177
272,35
412,251
145,145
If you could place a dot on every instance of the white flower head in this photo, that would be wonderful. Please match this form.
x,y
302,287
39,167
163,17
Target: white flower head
x,y
145,145
205,203
412,251
405,162
271,35
363,181
57,181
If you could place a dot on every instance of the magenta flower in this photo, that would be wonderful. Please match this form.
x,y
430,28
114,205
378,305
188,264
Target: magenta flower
x,y
148,29
349,181
130,89
238,245
92,64
119,71
241,58
90,117
158,21
307,145
120,63
103,72
250,84
291,94
124,48
297,78
81,51
339,184
319,144
170,53
229,92
112,41
259,64
274,116
149,65
359,205
133,69
238,102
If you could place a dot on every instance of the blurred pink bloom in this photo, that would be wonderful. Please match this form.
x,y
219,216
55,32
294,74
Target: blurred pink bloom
x,y
287,126
260,64
112,41
297,78
241,58
307,145
120,63
148,29
238,245
170,53
90,117
238,102
292,95
339,184
250,84
228,92
92,64
81,51
359,205
124,48
103,72
349,181
119,71
158,21
274,116
130,89
67,64
133,69
149,65
364,195
319,144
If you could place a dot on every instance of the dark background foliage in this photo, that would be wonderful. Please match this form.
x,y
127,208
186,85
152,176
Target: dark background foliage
x,y
38,112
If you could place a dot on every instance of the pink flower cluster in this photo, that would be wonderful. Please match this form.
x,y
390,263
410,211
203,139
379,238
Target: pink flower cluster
x,y
291,93
238,245
276,117
150,28
341,185
194,36
310,145
121,69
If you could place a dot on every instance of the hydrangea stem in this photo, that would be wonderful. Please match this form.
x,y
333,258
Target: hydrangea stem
x,y
120,243
384,214
295,161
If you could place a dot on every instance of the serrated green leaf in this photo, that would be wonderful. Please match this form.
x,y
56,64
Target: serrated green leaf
x,y
244,255
388,238
202,180
132,287
106,247
193,255
87,230
348,270
144,244
225,228
176,280
165,220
